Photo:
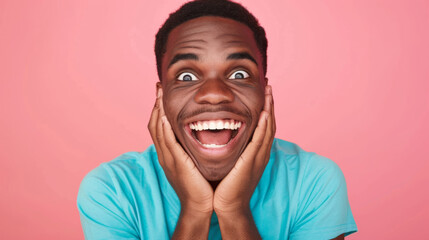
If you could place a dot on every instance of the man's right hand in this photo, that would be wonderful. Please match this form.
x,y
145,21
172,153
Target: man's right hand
x,y
193,190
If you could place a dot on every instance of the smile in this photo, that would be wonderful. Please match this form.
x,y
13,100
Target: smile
x,y
215,133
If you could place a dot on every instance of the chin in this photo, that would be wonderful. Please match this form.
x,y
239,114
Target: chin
x,y
215,174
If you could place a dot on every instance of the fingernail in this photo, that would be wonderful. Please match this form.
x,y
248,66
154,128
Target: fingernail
x,y
269,89
158,93
266,116
163,119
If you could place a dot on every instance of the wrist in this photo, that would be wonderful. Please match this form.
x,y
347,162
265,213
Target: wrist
x,y
237,224
237,208
234,213
200,209
192,225
197,214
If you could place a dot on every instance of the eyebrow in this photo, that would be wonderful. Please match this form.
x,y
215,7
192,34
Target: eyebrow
x,y
191,56
241,55
185,56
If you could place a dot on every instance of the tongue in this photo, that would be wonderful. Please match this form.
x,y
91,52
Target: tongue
x,y
218,137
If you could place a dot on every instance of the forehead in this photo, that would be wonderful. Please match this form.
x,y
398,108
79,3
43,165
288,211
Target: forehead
x,y
208,32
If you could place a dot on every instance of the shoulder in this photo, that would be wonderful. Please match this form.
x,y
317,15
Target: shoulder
x,y
307,174
299,173
124,198
120,174
307,165
318,193
125,164
109,195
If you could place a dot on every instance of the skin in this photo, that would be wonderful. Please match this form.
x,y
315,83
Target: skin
x,y
212,40
225,181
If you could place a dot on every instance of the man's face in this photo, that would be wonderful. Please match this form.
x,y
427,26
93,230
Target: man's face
x,y
213,91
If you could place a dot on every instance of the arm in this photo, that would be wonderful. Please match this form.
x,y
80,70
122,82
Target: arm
x,y
238,225
192,225
232,196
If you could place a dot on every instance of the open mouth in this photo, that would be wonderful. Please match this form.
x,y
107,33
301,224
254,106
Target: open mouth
x,y
215,133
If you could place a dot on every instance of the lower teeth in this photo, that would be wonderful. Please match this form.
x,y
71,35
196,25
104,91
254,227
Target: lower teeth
x,y
213,145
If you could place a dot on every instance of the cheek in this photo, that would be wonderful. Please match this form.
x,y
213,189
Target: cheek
x,y
174,103
257,105
170,109
255,101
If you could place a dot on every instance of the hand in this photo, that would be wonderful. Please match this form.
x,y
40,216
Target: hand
x,y
193,190
233,194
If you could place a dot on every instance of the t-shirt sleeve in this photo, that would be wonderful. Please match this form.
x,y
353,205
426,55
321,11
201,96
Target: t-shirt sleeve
x,y
100,209
323,210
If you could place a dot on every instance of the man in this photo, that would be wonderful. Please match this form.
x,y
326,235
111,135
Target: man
x,y
215,170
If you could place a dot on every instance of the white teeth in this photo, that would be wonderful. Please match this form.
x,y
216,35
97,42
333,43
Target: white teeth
x,y
219,124
215,125
213,145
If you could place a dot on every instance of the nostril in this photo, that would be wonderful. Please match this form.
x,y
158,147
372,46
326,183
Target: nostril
x,y
214,92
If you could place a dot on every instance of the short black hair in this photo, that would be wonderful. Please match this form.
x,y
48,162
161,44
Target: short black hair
x,y
218,8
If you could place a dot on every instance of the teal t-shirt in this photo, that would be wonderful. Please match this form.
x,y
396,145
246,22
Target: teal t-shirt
x,y
301,195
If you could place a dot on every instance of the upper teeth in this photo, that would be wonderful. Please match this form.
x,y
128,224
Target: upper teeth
x,y
215,125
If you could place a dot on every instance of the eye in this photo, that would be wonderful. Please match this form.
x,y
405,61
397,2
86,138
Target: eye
x,y
240,74
186,76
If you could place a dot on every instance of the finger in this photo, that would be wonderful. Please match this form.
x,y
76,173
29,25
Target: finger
x,y
271,124
267,102
153,119
174,147
269,107
262,127
255,144
161,131
265,148
248,161
160,136
262,138
273,119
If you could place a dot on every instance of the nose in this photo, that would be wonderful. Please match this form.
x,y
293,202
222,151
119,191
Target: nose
x,y
214,91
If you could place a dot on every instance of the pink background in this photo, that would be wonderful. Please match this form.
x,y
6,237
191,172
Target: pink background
x,y
350,80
